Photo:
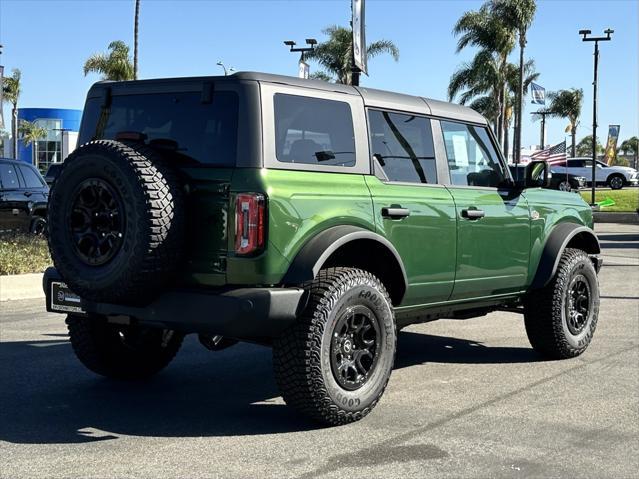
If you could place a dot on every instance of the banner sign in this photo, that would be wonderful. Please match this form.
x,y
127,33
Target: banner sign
x,y
359,35
538,94
611,145
303,70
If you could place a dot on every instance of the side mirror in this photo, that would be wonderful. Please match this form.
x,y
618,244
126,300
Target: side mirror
x,y
537,174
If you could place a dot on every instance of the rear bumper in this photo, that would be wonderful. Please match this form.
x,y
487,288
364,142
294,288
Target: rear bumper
x,y
243,313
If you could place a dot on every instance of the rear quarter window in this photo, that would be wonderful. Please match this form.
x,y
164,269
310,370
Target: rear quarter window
x,y
197,131
313,131
8,176
31,178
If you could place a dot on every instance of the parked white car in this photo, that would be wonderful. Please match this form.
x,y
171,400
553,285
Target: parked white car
x,y
614,176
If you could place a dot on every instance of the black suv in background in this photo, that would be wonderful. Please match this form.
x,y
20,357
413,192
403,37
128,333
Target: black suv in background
x,y
52,173
557,181
23,198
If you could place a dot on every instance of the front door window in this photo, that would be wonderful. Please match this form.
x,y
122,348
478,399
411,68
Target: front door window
x,y
472,159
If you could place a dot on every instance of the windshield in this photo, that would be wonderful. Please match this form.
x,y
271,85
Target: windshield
x,y
202,132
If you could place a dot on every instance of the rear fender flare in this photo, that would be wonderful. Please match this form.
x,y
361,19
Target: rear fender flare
x,y
314,254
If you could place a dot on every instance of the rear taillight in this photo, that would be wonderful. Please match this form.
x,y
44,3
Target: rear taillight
x,y
250,229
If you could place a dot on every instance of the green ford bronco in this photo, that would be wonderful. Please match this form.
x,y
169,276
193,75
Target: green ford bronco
x,y
316,218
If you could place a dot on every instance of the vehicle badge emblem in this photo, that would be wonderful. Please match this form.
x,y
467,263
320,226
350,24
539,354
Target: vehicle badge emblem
x,y
534,214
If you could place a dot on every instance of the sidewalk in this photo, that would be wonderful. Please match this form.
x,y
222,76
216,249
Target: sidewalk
x,y
21,286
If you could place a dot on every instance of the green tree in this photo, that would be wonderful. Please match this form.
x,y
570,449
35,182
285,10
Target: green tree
x,y
135,39
631,145
489,105
486,73
567,104
530,75
335,54
116,65
320,75
584,147
518,15
11,93
31,133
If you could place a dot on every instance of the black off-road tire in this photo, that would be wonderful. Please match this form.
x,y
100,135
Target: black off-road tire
x,y
302,355
547,310
119,351
152,219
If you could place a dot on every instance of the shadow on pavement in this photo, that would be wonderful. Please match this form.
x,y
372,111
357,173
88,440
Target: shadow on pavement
x,y
415,348
46,396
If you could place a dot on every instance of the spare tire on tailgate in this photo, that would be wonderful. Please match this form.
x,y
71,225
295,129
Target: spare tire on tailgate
x,y
117,222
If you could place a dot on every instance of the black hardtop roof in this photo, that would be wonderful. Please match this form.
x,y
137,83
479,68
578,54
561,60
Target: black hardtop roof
x,y
372,97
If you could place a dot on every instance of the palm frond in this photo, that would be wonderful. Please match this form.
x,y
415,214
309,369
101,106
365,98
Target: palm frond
x,y
335,54
383,46
30,132
11,87
116,65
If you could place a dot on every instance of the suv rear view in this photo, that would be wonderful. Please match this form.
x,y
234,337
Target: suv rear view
x,y
314,217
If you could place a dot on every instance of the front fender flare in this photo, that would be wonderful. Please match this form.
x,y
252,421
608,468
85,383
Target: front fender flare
x,y
556,243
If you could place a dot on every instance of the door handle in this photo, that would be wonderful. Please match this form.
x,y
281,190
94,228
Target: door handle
x,y
395,212
472,214
27,193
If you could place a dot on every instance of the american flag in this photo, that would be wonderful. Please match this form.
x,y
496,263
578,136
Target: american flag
x,y
553,155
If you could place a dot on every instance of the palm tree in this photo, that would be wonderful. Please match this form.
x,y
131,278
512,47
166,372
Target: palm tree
x,y
479,84
518,15
567,104
512,75
31,132
320,75
479,77
336,53
584,147
631,145
135,39
11,93
486,74
116,65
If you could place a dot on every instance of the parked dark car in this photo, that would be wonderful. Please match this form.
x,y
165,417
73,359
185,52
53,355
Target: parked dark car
x,y
557,181
566,182
23,198
52,173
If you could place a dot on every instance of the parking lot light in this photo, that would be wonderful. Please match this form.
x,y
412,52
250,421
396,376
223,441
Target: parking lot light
x,y
586,38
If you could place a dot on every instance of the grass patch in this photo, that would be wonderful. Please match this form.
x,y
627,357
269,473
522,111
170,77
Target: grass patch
x,y
626,199
23,254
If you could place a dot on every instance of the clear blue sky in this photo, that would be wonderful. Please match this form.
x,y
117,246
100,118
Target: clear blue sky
x,y
49,41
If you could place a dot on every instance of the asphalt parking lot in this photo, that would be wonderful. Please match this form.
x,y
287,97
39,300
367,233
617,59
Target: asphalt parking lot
x,y
466,399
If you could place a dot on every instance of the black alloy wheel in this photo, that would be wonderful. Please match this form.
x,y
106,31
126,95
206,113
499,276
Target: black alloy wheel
x,y
96,221
354,347
578,304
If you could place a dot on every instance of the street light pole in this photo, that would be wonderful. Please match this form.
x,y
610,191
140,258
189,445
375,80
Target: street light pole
x,y
220,64
585,38
543,114
311,42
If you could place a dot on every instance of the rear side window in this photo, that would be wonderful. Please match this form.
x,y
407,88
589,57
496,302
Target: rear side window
x,y
472,159
403,146
8,176
31,178
195,130
313,131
